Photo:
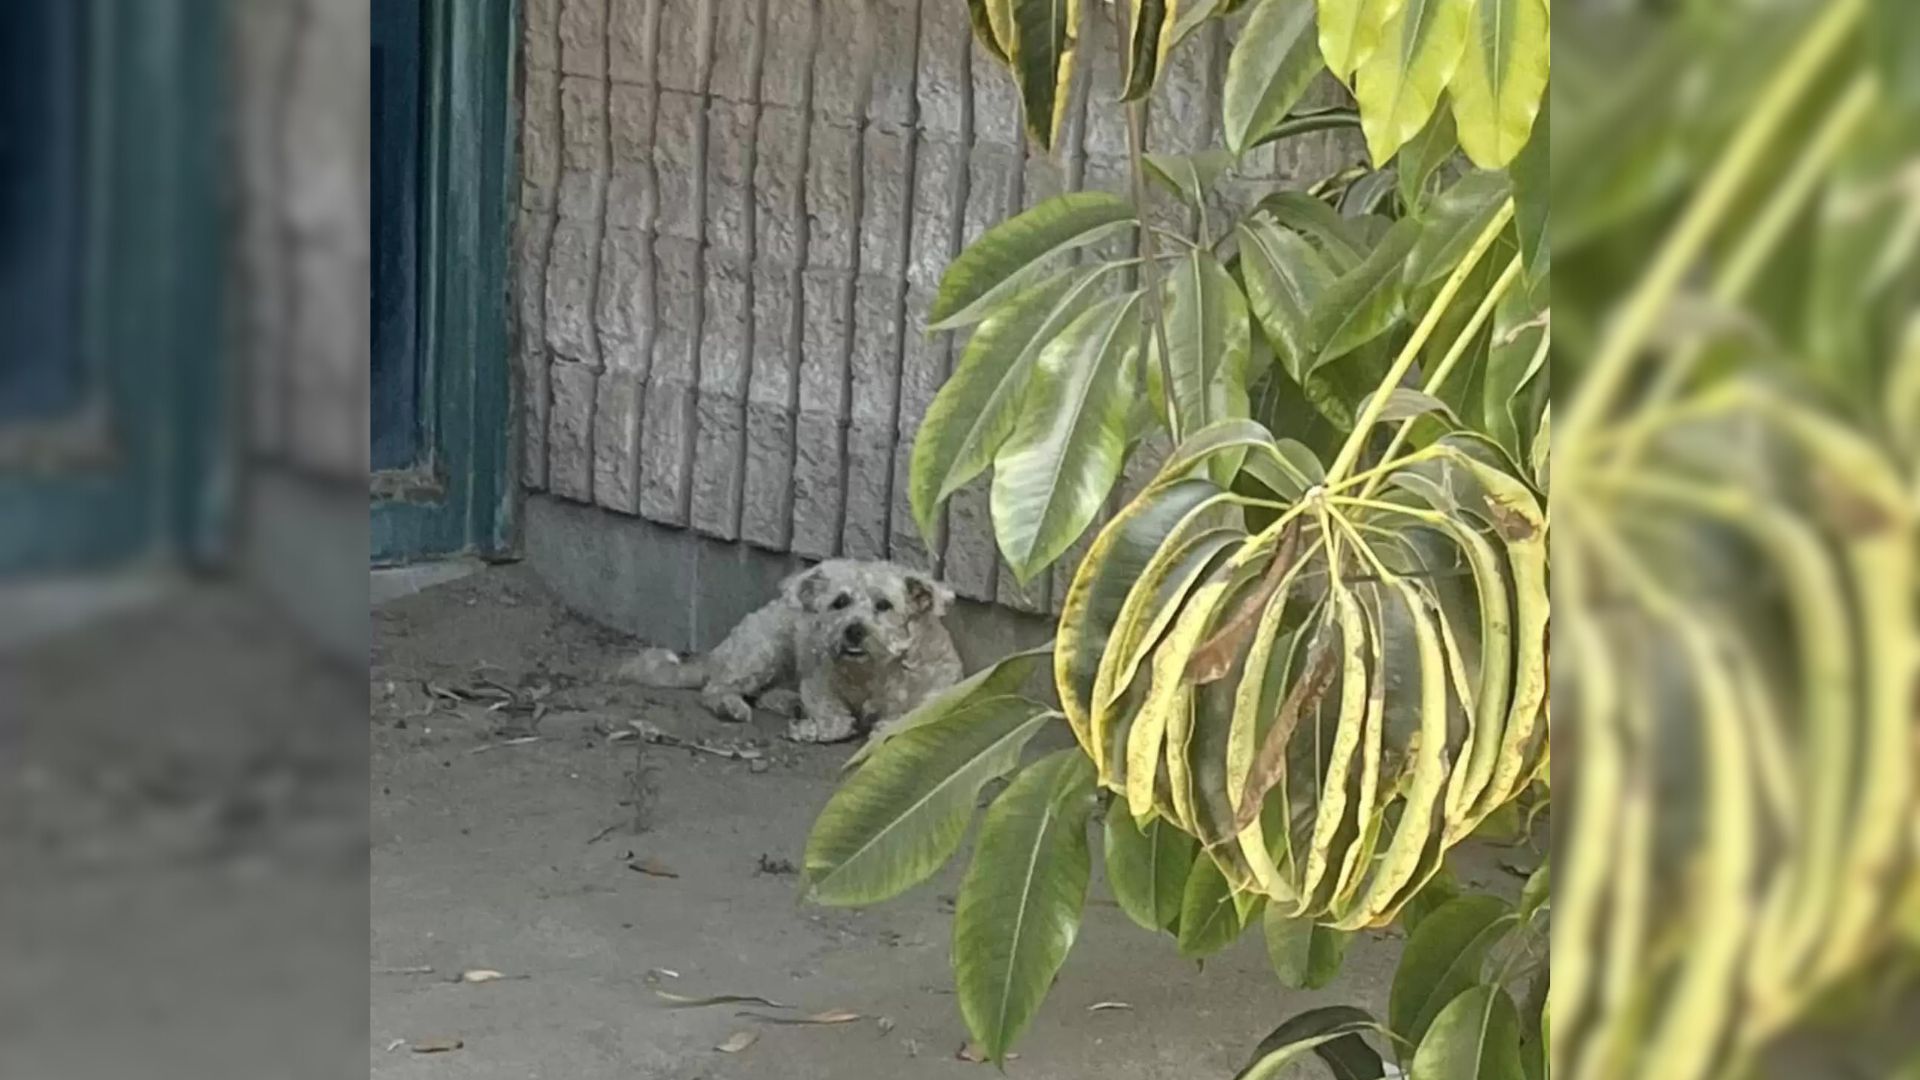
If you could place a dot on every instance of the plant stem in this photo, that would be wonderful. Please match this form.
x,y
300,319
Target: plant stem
x,y
1452,357
1149,271
1149,268
1756,247
1715,198
1377,402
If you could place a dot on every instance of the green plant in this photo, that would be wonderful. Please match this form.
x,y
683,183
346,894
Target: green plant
x,y
1309,657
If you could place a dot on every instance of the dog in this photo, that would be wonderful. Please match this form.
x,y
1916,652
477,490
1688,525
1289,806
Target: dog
x,y
864,640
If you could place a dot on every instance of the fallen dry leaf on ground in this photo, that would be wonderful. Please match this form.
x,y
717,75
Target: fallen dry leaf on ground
x,y
682,1001
738,1041
651,868
1103,1006
480,975
438,1046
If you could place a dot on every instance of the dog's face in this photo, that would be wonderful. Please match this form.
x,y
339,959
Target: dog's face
x,y
865,612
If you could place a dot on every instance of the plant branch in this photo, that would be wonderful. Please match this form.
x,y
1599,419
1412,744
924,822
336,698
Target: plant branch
x,y
1620,348
1377,401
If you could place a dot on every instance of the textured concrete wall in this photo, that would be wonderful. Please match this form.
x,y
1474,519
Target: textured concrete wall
x,y
733,217
297,298
300,214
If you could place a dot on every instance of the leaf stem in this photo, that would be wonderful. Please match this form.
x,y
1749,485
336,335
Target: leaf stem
x,y
1454,352
1613,366
1377,401
1756,247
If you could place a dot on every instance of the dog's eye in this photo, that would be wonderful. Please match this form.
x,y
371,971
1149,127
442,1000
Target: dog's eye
x,y
883,605
841,601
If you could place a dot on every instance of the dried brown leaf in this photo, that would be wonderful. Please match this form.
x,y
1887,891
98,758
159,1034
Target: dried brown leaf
x,y
438,1046
738,1041
1270,763
651,868
1215,656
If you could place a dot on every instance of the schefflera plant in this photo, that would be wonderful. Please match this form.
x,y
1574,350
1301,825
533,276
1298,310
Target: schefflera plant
x,y
1309,657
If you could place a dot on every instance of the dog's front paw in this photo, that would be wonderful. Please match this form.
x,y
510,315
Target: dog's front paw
x,y
812,730
782,702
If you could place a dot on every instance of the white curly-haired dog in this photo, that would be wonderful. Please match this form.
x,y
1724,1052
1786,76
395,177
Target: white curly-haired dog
x,y
863,639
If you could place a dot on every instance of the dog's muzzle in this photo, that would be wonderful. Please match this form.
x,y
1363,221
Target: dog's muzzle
x,y
853,641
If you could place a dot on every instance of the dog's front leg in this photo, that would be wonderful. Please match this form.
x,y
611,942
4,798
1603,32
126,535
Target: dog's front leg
x,y
828,719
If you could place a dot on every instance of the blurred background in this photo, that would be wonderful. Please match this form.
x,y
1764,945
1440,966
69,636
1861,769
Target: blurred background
x,y
184,330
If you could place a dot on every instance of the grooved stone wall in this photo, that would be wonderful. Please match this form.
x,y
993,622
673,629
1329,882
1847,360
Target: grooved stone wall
x,y
733,216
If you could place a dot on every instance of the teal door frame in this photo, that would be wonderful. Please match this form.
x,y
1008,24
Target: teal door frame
x,y
458,496
139,468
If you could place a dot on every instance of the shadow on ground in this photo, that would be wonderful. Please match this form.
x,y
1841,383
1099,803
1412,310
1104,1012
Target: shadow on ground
x,y
504,840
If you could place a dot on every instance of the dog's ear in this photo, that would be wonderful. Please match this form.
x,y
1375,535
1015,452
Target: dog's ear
x,y
928,597
803,590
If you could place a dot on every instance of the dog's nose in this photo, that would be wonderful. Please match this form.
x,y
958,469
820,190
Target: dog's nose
x,y
856,633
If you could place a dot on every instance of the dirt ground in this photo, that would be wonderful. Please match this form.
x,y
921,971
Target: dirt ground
x,y
493,852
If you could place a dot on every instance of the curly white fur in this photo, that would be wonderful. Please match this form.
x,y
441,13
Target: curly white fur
x,y
863,639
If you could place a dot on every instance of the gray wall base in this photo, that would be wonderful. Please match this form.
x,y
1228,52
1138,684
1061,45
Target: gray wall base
x,y
306,549
681,590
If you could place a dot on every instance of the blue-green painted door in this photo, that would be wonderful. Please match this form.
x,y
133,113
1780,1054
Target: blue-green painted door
x,y
110,356
443,74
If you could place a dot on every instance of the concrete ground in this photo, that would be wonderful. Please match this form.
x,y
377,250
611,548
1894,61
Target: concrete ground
x,y
182,823
494,853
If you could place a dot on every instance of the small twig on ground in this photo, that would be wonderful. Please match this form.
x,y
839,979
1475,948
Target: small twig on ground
x,y
521,741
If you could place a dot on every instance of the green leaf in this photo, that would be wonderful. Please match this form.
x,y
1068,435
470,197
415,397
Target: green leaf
x,y
1399,86
1151,28
1019,908
1147,868
1040,51
1305,955
1054,472
1531,175
1336,237
1422,157
1433,896
1209,918
1290,471
1334,1033
979,405
1516,356
1366,301
1455,220
1189,176
1006,677
1193,13
1476,1037
898,819
1285,276
1502,78
1363,198
994,266
1308,121
1405,403
1352,31
1444,957
1207,346
982,14
1538,892
1272,65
